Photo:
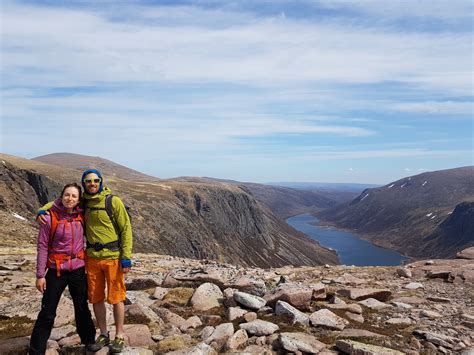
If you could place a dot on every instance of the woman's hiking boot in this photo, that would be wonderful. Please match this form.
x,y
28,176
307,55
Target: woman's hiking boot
x,y
117,345
102,340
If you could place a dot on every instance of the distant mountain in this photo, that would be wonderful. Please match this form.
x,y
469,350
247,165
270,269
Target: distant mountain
x,y
189,219
351,187
286,202
427,215
283,201
84,162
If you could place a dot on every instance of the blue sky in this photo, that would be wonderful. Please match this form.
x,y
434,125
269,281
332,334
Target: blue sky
x,y
329,91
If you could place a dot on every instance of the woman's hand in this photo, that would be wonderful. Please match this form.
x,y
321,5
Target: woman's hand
x,y
41,284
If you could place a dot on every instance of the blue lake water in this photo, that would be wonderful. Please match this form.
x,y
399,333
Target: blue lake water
x,y
351,249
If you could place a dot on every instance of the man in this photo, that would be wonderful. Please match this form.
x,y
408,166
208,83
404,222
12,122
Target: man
x,y
109,248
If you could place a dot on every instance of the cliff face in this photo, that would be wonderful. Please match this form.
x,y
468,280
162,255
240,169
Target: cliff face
x,y
453,233
426,215
196,220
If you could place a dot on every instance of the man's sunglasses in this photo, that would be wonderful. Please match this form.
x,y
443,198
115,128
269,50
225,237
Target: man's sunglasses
x,y
90,181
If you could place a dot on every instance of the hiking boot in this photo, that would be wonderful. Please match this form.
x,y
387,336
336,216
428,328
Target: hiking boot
x,y
102,340
117,345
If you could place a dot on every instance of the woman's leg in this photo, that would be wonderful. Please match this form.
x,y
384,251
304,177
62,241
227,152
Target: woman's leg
x,y
45,321
78,290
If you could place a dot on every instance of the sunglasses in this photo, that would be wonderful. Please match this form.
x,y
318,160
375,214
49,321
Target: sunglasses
x,y
90,181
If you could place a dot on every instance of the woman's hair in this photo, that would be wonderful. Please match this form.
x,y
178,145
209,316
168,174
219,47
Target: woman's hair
x,y
72,184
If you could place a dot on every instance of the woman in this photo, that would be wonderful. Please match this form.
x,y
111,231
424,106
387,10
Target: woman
x,y
61,253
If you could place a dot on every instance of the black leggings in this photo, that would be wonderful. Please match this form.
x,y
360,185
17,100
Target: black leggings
x,y
77,282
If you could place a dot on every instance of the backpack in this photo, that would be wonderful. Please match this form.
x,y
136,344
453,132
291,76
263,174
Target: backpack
x,y
110,213
108,208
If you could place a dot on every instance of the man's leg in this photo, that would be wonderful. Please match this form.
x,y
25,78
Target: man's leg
x,y
96,293
100,313
119,316
116,296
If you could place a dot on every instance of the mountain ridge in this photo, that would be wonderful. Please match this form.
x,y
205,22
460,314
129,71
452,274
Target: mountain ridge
x,y
401,215
195,220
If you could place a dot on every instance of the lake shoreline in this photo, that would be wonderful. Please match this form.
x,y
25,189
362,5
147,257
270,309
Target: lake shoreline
x,y
366,237
351,249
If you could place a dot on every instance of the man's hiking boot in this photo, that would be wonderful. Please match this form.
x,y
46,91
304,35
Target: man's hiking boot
x,y
117,345
102,340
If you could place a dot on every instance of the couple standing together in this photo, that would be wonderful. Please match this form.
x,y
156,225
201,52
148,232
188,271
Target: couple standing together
x,y
102,220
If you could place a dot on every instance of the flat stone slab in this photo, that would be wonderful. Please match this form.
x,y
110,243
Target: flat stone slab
x,y
301,342
358,348
360,294
359,333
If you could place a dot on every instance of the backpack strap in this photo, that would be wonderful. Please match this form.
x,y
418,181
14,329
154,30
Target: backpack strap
x,y
53,228
110,213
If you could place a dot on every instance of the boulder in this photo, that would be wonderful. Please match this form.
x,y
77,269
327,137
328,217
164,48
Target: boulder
x,y
249,301
299,296
235,313
466,254
283,308
192,322
207,296
301,342
325,318
160,292
372,303
237,340
169,317
259,327
220,335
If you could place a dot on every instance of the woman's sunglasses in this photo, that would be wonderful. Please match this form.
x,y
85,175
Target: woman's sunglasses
x,y
90,181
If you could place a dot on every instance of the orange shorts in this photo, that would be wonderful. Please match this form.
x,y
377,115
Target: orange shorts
x,y
101,272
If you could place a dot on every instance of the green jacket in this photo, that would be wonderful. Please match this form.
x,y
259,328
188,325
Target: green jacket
x,y
99,227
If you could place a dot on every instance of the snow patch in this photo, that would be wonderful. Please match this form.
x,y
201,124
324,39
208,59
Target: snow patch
x,y
424,183
433,217
3,162
403,185
429,214
391,186
363,198
16,215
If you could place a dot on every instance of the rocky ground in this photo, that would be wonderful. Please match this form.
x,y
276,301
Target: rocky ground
x,y
184,306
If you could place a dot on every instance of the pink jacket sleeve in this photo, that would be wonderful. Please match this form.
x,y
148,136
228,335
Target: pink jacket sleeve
x,y
42,248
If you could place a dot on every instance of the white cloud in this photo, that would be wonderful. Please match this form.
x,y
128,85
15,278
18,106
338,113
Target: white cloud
x,y
435,107
79,48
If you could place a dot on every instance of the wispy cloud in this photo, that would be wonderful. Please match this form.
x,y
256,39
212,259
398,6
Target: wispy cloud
x,y
294,80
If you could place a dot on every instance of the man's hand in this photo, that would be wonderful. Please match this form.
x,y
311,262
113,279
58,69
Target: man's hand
x,y
41,219
41,284
126,265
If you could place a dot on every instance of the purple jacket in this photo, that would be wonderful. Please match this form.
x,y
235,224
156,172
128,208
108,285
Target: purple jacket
x,y
67,240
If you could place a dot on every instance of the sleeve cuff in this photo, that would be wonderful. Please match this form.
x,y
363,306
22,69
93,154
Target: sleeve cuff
x,y
126,263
